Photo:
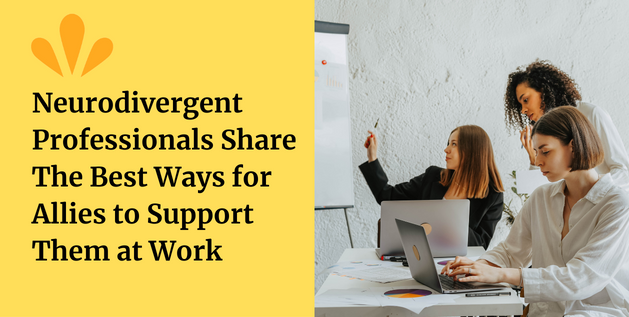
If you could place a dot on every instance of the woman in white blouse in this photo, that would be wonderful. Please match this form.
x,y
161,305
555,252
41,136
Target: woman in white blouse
x,y
541,87
574,232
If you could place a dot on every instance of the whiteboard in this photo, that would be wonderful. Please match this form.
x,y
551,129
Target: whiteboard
x,y
334,184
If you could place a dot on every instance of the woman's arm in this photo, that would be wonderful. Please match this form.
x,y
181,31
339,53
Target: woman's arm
x,y
379,184
613,147
516,250
591,269
482,234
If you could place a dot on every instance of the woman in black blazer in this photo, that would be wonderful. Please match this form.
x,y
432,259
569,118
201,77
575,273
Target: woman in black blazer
x,y
469,163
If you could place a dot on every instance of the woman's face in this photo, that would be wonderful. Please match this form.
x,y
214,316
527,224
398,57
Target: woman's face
x,y
531,101
553,158
452,151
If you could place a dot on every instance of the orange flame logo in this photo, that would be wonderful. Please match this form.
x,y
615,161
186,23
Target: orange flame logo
x,y
72,30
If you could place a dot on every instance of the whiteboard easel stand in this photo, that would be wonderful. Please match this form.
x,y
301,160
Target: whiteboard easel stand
x,y
349,232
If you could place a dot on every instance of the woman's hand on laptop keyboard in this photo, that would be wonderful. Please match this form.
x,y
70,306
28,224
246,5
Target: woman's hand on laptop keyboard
x,y
458,261
479,272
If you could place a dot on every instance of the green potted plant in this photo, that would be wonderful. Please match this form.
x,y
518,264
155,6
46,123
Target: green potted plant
x,y
510,210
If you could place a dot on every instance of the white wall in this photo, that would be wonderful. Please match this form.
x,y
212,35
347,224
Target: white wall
x,y
426,67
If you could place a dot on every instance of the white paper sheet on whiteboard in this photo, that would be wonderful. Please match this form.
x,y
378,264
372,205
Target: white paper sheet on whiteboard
x,y
527,181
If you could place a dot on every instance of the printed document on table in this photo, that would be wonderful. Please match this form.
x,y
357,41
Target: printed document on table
x,y
416,304
346,298
381,274
375,297
349,266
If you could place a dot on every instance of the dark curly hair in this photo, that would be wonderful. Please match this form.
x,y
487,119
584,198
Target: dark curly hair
x,y
556,87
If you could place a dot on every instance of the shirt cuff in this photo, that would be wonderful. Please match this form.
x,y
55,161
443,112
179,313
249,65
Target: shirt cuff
x,y
366,163
532,283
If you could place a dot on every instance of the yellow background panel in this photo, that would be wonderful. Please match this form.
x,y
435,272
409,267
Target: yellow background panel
x,y
261,50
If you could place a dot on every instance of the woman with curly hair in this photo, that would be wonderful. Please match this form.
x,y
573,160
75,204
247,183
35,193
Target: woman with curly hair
x,y
540,87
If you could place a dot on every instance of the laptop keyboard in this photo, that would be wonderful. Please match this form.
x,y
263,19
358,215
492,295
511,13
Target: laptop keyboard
x,y
448,283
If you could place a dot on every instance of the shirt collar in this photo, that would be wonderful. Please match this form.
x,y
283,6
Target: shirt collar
x,y
600,189
558,188
596,193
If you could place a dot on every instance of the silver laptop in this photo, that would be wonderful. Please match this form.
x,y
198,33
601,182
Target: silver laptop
x,y
422,264
446,223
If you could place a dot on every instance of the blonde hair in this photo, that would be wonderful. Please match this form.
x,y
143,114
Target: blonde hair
x,y
477,168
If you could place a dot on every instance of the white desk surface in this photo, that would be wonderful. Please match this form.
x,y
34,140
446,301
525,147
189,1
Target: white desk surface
x,y
463,306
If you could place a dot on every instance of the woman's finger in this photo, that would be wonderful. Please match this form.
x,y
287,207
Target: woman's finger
x,y
458,261
454,263
446,269
368,141
460,270
471,278
453,273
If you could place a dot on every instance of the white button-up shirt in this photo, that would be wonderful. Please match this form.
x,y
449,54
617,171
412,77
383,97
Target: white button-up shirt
x,y
616,161
586,273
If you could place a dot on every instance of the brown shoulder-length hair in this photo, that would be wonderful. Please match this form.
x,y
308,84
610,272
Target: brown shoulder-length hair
x,y
477,167
569,124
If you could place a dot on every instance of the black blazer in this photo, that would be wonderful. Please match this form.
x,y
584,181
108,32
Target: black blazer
x,y
484,213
